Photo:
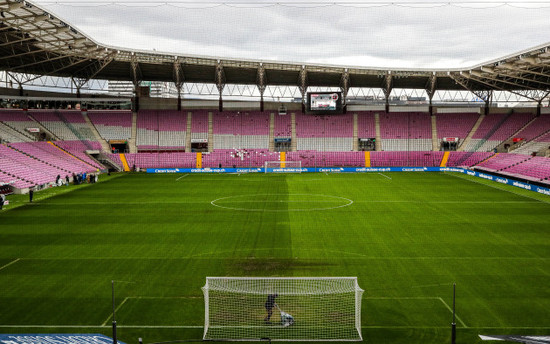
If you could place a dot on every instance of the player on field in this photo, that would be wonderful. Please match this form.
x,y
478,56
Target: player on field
x,y
269,304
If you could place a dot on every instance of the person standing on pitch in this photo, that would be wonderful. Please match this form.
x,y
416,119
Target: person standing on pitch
x,y
2,200
31,194
269,304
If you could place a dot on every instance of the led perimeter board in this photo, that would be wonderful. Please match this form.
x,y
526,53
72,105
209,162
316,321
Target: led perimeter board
x,y
324,102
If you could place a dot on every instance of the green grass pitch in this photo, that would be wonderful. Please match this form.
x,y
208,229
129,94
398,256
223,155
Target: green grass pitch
x,y
406,236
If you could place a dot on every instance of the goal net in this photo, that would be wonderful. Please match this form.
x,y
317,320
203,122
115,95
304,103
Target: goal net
x,y
283,167
282,309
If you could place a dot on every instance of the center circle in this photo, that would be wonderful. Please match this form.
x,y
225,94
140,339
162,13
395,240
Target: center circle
x,y
281,202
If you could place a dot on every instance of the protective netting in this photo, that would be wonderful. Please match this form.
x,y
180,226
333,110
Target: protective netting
x,y
304,309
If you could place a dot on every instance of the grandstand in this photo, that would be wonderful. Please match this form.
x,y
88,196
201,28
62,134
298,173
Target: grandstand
x,y
242,139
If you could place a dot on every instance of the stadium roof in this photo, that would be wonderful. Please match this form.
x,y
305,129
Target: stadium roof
x,y
34,41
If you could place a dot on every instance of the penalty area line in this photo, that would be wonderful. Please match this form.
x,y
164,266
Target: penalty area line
x,y
451,310
116,310
10,263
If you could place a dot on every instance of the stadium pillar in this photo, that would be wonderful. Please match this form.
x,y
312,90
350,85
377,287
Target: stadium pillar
x,y
261,84
220,83
488,102
344,88
262,103
539,106
303,87
20,90
387,89
136,102
179,79
430,90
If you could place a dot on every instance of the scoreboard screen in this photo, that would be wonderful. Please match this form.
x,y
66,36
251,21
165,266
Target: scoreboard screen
x,y
324,102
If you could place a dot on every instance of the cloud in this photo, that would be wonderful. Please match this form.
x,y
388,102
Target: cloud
x,y
407,36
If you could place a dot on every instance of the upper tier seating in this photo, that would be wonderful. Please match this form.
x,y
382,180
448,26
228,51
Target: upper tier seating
x,y
240,130
366,125
282,126
536,136
538,144
199,125
67,125
161,129
495,128
406,131
455,124
14,126
324,132
112,124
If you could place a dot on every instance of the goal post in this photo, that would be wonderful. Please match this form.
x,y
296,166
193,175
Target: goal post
x,y
283,167
282,308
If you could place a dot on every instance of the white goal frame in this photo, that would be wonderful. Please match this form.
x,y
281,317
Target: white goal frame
x,y
283,166
234,309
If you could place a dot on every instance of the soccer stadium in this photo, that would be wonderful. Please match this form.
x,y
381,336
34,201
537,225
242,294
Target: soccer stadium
x,y
225,193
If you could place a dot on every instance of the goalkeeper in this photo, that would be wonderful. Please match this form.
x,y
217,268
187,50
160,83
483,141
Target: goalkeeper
x,y
269,304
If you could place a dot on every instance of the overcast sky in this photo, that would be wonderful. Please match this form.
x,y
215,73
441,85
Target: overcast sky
x,y
407,34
